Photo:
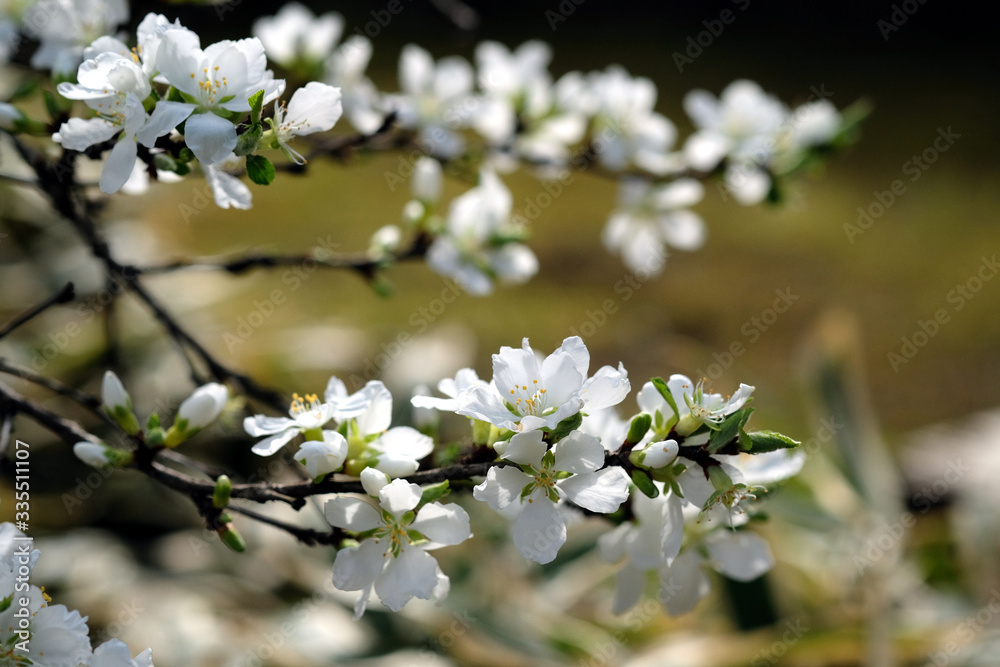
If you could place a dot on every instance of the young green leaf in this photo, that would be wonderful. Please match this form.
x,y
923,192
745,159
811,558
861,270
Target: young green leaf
x,y
260,170
769,441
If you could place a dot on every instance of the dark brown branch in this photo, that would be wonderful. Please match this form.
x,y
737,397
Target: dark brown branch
x,y
66,429
86,400
307,536
57,181
362,263
64,295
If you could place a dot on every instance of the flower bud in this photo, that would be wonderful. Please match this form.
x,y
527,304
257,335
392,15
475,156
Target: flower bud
x,y
196,412
101,456
656,455
202,407
223,490
117,403
373,480
638,428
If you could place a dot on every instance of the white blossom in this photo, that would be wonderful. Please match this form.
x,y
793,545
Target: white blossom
x,y
321,457
394,562
314,108
528,393
464,379
306,414
741,125
346,70
202,407
538,483
695,407
115,653
219,81
115,87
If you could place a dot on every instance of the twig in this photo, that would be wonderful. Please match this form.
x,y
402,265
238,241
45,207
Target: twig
x,y
62,296
86,400
307,536
66,429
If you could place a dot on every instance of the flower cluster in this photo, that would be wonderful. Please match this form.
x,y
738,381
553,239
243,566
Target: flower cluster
x,y
677,481
167,103
33,631
167,84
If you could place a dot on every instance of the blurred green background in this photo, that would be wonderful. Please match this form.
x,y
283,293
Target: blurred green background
x,y
857,298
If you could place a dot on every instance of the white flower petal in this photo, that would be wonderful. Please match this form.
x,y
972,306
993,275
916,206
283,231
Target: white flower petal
x,y
165,117
743,555
539,530
528,449
682,584
356,568
443,524
629,584
78,134
353,514
412,574
602,491
502,486
272,444
399,496
209,137
578,452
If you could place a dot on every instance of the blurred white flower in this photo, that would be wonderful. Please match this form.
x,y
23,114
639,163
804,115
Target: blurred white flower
x,y
649,217
434,99
478,245
346,70
742,125
627,130
65,28
295,35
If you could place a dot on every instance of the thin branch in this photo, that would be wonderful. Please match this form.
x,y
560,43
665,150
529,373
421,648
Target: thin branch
x,y
359,262
86,400
67,293
66,429
56,180
307,536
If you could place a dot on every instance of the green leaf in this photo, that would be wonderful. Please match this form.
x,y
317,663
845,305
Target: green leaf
x,y
729,429
24,89
247,142
260,170
644,483
434,491
769,441
565,427
52,105
638,428
661,386
256,104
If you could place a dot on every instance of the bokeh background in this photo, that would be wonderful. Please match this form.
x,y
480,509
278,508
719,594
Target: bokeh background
x,y
886,545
